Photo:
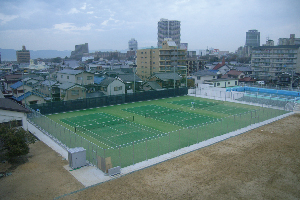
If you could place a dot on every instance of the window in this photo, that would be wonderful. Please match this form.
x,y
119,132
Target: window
x,y
218,84
228,83
79,78
235,82
213,76
61,76
142,52
75,92
153,62
67,77
117,88
198,77
89,78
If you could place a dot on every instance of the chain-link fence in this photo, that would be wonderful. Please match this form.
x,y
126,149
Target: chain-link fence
x,y
147,148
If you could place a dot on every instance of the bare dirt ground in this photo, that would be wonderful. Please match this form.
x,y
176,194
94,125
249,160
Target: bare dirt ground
x,y
261,164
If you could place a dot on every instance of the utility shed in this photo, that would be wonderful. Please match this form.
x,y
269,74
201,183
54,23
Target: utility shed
x,y
77,157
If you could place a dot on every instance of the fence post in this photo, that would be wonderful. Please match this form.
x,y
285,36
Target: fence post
x,y
179,140
120,155
197,133
227,125
169,141
158,145
133,152
146,148
189,136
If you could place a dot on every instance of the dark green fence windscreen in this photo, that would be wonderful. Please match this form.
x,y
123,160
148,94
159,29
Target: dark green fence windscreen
x,y
79,104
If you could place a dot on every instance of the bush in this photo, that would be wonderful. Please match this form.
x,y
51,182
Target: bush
x,y
14,141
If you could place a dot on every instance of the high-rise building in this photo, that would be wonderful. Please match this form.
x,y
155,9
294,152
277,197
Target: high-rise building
x,y
23,56
168,29
132,45
80,50
253,38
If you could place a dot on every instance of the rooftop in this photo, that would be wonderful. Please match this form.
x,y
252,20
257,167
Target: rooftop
x,y
8,104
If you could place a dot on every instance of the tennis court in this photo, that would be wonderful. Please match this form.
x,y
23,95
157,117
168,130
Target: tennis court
x,y
134,132
110,130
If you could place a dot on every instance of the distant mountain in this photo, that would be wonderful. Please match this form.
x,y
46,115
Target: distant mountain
x,y
10,54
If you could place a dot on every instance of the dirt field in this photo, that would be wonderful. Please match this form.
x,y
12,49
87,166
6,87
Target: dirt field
x,y
260,164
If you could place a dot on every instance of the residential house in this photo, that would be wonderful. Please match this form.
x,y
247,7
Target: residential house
x,y
29,98
11,110
71,91
222,67
205,75
246,70
19,88
166,80
50,89
11,79
132,82
112,86
79,77
234,74
151,85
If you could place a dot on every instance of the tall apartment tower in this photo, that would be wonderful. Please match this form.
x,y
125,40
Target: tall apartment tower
x,y
23,56
253,38
168,29
132,45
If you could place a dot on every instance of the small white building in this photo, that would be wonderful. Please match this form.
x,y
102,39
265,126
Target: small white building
x,y
11,110
223,83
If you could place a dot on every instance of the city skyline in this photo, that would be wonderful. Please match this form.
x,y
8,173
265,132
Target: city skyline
x,y
57,25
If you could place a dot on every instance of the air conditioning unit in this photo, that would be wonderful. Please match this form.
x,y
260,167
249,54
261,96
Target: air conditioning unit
x,y
77,157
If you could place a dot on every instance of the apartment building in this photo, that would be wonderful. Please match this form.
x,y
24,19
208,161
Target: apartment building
x,y
270,61
153,60
168,29
23,56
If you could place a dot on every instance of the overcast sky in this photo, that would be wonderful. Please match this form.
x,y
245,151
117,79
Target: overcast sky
x,y
220,24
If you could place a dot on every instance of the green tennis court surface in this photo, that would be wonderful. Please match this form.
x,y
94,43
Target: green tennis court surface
x,y
134,132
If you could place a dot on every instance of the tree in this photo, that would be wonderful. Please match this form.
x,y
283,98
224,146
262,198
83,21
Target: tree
x,y
56,60
14,141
